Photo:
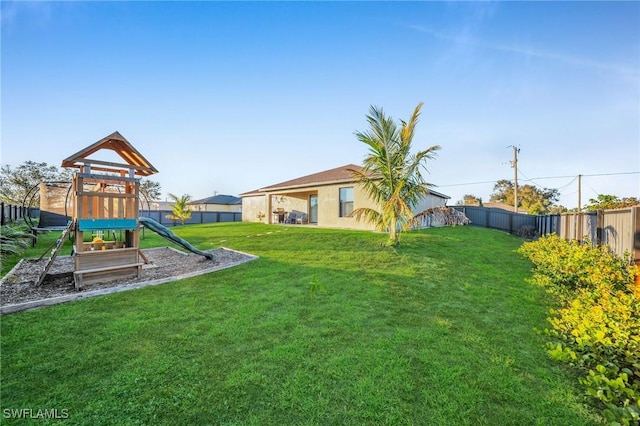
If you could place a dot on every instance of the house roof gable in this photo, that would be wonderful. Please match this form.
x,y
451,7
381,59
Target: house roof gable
x,y
121,146
339,174
438,194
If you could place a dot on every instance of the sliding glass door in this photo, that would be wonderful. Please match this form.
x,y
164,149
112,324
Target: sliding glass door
x,y
313,208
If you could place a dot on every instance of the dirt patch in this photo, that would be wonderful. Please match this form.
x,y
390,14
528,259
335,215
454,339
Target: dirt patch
x,y
167,264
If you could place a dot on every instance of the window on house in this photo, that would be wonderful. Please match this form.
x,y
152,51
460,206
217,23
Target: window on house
x,y
346,201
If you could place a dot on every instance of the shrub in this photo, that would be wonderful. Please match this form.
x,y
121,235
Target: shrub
x,y
564,266
597,328
528,232
599,334
13,240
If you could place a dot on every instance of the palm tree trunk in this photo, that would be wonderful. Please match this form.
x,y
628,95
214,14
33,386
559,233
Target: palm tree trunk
x,y
393,232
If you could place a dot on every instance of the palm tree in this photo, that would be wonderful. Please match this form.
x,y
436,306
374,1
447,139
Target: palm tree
x,y
181,209
391,173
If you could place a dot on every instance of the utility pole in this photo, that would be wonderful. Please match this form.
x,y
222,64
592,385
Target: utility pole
x,y
579,193
514,164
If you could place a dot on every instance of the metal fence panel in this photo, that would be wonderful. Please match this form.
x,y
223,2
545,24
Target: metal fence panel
x,y
160,216
11,212
511,222
617,230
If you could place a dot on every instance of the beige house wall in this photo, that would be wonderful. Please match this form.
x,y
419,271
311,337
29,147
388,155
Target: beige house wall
x,y
156,205
296,201
251,206
328,205
429,202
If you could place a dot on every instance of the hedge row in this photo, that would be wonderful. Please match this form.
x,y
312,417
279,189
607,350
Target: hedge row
x,y
596,328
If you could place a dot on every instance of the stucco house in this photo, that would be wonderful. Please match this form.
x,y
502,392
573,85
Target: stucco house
x,y
217,203
325,198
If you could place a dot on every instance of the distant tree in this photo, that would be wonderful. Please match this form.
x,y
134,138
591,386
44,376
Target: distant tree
x,y
151,190
557,209
503,192
531,198
15,183
391,173
469,200
181,210
606,202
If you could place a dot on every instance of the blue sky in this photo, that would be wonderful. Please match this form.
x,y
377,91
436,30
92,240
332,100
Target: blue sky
x,y
229,97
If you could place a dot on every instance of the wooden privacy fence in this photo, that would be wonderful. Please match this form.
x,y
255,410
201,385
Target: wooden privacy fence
x,y
619,229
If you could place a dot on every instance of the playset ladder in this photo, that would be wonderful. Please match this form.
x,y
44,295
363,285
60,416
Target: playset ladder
x,y
59,243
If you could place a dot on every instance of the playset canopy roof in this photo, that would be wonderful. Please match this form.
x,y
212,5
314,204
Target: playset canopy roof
x,y
117,143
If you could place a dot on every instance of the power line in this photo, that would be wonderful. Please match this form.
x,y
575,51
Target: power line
x,y
528,179
613,174
543,177
469,183
567,185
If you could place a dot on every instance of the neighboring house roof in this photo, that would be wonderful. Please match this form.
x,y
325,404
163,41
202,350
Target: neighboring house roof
x,y
117,143
331,176
502,206
219,199
437,194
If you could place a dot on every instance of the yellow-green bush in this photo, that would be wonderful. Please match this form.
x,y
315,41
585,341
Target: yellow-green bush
x,y
563,266
597,327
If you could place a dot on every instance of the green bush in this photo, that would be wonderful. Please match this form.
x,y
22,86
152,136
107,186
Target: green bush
x,y
564,266
13,240
597,328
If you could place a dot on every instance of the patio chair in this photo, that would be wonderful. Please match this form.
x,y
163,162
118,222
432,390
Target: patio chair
x,y
303,218
292,217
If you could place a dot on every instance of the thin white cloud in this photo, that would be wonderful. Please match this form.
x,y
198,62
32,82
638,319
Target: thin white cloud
x,y
13,11
624,71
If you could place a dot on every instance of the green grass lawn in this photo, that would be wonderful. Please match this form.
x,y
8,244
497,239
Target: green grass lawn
x,y
327,327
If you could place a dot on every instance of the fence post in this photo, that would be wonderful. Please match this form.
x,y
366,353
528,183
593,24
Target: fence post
x,y
2,221
635,231
580,227
599,226
511,223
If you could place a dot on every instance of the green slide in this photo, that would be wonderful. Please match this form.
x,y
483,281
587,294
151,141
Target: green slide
x,y
164,232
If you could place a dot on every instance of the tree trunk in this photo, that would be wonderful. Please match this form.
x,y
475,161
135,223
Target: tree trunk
x,y
393,232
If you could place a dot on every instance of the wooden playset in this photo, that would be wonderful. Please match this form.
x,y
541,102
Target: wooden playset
x,y
105,200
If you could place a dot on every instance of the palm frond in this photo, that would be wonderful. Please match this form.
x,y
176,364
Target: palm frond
x,y
370,216
391,174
